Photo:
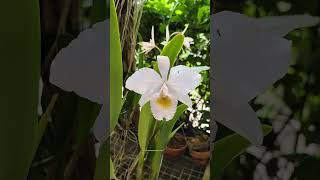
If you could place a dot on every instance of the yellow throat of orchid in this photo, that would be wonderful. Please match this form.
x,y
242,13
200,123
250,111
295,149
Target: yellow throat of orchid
x,y
164,99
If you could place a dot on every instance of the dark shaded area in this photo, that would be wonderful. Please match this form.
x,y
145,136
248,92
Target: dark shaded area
x,y
292,105
67,149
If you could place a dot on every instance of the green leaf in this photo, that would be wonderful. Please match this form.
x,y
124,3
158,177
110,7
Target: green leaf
x,y
227,149
173,48
145,130
146,126
19,76
42,124
116,71
175,131
206,174
103,168
112,173
116,77
180,110
162,138
203,14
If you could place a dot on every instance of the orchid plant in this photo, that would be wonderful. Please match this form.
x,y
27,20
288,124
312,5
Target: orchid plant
x,y
161,89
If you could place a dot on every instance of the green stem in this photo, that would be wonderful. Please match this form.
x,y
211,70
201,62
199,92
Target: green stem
x,y
142,153
140,166
156,165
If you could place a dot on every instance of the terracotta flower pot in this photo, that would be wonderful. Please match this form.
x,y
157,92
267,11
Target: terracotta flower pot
x,y
199,149
176,148
171,153
200,158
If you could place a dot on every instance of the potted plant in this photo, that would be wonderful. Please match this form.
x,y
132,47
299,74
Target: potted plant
x,y
176,147
199,149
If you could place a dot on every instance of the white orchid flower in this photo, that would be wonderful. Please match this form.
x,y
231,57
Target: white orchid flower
x,y
187,40
81,67
148,46
164,90
249,55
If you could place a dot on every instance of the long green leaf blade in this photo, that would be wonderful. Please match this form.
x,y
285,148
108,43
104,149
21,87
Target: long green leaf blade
x,y
42,124
180,110
116,71
173,48
112,173
19,75
116,75
162,138
146,125
102,171
145,130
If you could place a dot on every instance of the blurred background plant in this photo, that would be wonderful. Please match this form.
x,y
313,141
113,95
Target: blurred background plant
x,y
67,148
292,105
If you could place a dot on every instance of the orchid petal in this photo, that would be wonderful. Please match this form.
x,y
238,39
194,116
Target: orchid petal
x,y
147,47
148,95
146,82
183,79
143,80
187,41
199,69
164,66
186,44
161,112
182,97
